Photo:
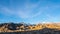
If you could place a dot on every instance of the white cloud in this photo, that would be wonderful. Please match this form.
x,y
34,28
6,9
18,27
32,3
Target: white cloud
x,y
51,18
28,9
24,15
7,10
21,14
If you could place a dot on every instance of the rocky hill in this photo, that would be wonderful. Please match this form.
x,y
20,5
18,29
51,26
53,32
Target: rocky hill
x,y
30,29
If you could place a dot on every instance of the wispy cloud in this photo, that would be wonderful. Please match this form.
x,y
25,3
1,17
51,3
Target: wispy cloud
x,y
6,11
30,10
51,18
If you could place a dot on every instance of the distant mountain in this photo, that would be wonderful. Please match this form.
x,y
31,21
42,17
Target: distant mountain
x,y
18,27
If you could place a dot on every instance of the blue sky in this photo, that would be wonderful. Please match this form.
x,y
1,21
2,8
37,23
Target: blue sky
x,y
30,11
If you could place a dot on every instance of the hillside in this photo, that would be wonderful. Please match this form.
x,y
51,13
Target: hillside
x,y
20,27
42,31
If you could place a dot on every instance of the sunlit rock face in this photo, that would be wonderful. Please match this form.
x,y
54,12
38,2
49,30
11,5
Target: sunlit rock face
x,y
13,27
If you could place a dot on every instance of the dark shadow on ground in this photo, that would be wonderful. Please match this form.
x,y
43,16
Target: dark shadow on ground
x,y
43,31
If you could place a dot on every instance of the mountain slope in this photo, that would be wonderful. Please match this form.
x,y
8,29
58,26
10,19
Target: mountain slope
x,y
13,27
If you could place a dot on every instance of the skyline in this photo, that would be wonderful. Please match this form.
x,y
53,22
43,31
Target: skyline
x,y
30,11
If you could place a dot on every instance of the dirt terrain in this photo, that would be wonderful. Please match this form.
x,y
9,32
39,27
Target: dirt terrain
x,y
20,28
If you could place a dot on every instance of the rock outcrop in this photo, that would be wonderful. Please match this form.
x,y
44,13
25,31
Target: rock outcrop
x,y
20,27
